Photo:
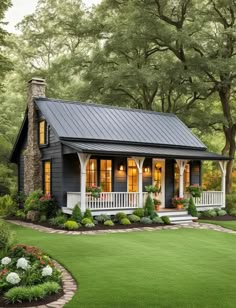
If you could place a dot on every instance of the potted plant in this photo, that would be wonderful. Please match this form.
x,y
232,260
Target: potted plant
x,y
195,190
157,204
179,202
152,189
94,190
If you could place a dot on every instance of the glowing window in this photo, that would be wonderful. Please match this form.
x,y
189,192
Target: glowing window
x,y
91,173
47,177
106,175
42,132
132,176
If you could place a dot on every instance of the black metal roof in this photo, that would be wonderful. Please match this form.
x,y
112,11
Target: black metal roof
x,y
92,122
147,151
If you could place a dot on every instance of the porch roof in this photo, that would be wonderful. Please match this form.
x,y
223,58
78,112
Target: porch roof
x,y
147,151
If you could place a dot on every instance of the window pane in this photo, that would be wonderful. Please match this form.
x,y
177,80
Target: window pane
x,y
106,175
132,176
91,173
42,133
47,177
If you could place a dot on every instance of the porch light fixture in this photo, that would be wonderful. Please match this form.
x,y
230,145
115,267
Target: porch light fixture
x,y
121,167
146,169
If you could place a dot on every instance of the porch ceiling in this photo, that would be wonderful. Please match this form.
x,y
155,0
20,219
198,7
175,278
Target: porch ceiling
x,y
147,151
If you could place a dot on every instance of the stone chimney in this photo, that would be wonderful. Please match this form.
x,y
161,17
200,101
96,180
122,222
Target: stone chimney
x,y
32,159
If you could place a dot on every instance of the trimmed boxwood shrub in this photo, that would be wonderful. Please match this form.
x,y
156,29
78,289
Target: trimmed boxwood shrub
x,y
86,221
31,293
192,210
109,223
120,216
210,213
157,220
139,212
134,218
76,213
125,221
166,220
71,225
146,220
221,213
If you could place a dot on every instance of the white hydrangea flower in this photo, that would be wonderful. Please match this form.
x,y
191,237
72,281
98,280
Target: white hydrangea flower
x,y
6,261
22,263
13,278
47,271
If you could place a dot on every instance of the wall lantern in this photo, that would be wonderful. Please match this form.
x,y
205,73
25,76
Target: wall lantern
x,y
121,167
146,169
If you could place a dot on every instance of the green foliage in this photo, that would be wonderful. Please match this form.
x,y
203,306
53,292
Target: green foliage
x,y
86,221
90,225
71,225
32,202
125,221
133,218
192,210
146,220
7,237
43,218
157,220
102,218
108,223
76,213
58,220
88,214
20,214
210,213
221,213
7,206
139,212
149,207
232,212
120,216
230,202
32,293
166,220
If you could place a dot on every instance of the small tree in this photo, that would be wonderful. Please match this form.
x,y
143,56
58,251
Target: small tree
x,y
76,213
192,210
149,208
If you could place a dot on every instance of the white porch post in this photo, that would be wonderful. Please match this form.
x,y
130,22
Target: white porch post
x,y
139,163
181,164
83,158
223,165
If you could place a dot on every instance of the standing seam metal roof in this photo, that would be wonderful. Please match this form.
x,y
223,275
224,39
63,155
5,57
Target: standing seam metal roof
x,y
106,123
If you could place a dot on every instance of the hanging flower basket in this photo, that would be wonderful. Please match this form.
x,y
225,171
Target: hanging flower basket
x,y
94,191
195,190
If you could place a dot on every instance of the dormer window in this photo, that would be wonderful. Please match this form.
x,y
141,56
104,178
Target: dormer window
x,y
43,132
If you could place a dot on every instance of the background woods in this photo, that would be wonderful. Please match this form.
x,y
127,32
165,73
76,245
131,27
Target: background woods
x,y
171,56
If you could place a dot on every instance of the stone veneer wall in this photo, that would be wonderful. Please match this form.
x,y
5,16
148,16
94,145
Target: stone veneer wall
x,y
32,159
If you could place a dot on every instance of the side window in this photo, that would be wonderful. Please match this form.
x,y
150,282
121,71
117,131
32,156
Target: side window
x,y
47,176
43,132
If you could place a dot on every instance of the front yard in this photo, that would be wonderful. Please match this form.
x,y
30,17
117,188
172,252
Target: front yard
x,y
171,268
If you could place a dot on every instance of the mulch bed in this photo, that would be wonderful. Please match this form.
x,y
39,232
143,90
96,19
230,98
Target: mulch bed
x,y
45,301
219,218
96,228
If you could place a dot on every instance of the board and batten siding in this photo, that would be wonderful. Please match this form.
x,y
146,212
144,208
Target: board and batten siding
x,y
53,152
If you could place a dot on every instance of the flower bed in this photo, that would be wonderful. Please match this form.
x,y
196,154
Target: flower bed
x,y
28,275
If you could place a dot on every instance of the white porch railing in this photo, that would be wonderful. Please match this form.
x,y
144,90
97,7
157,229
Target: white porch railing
x,y
106,200
209,199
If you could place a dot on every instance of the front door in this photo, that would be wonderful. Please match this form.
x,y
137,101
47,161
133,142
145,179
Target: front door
x,y
159,179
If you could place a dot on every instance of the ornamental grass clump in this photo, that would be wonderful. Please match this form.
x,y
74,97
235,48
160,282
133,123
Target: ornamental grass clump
x,y
157,220
146,220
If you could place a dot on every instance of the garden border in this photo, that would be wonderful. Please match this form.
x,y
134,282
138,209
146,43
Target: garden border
x,y
193,225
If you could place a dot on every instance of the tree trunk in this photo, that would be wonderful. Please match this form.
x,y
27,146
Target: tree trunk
x,y
229,131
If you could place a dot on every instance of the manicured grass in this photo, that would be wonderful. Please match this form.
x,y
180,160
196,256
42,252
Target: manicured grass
x,y
231,224
166,269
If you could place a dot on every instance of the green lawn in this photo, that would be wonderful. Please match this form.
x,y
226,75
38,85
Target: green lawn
x,y
226,224
169,268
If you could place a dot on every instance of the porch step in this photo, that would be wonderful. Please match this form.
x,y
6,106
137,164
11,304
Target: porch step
x,y
178,216
172,213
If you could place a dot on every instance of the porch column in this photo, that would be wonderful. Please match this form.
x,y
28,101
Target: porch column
x,y
223,165
181,164
139,163
83,158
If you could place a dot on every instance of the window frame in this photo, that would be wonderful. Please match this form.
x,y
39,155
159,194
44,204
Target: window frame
x,y
43,175
46,130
